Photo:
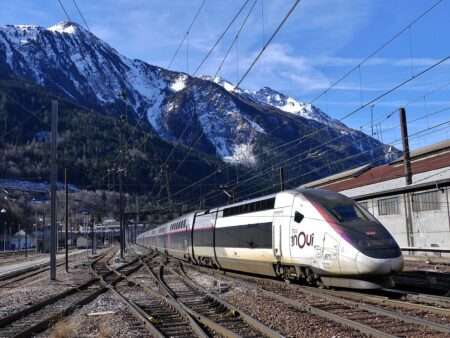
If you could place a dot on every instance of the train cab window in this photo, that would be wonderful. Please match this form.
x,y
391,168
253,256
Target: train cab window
x,y
343,209
298,217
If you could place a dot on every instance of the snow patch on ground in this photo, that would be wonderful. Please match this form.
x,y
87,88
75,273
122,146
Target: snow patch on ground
x,y
242,154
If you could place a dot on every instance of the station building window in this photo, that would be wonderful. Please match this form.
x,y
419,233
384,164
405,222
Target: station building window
x,y
364,204
388,206
425,201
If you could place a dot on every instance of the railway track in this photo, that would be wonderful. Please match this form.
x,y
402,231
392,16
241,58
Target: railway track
x,y
42,315
211,311
377,319
418,281
163,316
12,279
422,299
38,317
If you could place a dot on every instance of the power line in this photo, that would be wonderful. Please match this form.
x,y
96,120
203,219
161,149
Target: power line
x,y
236,37
372,101
221,36
268,42
195,183
417,134
186,34
376,51
64,10
81,15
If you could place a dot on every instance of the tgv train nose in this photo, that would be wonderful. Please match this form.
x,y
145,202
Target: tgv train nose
x,y
368,265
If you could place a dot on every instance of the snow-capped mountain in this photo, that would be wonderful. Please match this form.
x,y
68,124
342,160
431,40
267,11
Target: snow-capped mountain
x,y
273,98
209,115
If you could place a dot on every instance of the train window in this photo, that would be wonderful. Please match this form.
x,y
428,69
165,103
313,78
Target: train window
x,y
364,204
250,207
298,217
342,208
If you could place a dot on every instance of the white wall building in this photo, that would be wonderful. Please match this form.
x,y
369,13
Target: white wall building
x,y
417,215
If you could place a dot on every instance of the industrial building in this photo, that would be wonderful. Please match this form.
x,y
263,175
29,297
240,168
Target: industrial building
x,y
416,214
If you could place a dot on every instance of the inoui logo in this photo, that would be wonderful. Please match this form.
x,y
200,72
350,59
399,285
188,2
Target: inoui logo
x,y
301,240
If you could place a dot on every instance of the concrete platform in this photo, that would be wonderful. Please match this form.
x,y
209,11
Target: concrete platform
x,y
23,265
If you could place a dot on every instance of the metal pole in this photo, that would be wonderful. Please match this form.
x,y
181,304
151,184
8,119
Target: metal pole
x,y
92,236
406,155
166,171
281,179
53,178
122,246
137,219
371,118
66,241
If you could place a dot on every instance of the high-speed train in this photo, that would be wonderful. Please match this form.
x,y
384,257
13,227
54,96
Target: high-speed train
x,y
316,235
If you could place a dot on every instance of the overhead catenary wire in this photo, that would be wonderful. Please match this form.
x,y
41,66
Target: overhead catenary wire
x,y
377,50
261,173
274,34
236,37
208,54
81,15
370,102
64,10
417,134
186,34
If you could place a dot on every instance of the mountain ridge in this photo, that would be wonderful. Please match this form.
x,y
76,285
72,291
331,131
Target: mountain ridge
x,y
207,115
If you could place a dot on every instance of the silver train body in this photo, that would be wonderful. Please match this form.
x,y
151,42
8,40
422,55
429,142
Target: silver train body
x,y
311,234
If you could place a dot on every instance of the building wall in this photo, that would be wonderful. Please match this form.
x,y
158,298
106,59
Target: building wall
x,y
412,227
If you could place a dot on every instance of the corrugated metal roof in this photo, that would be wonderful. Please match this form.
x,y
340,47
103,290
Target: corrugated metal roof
x,y
339,176
425,159
426,151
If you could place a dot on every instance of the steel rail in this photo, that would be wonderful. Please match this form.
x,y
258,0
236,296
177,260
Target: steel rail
x,y
139,312
383,300
253,323
200,318
21,274
443,301
328,315
53,309
136,311
250,320
17,276
195,327
377,310
321,313
323,294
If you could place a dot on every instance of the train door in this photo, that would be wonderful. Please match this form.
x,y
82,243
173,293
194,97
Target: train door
x,y
277,244
203,238
330,253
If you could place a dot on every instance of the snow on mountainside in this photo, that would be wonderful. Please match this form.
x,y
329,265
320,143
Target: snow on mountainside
x,y
273,98
210,115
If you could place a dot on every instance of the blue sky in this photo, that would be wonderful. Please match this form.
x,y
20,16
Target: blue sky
x,y
321,41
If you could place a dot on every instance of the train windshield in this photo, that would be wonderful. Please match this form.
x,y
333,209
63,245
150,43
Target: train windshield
x,y
356,224
343,209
